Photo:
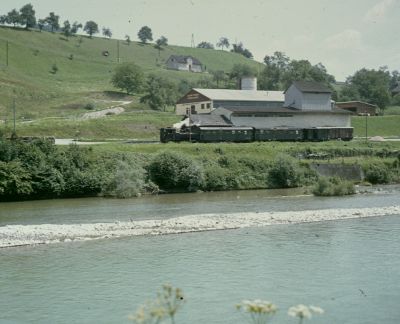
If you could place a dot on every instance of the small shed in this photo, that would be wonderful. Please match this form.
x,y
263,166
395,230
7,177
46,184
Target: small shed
x,y
184,63
358,107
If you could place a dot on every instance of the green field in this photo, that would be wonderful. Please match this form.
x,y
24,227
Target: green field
x,y
386,126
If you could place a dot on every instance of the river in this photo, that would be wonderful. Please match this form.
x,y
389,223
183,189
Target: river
x,y
349,267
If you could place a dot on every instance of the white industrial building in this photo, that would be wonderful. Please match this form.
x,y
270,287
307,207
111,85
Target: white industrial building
x,y
304,104
203,101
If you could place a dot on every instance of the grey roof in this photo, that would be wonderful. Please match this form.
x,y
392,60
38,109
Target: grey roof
x,y
356,101
311,87
242,95
209,120
183,59
230,128
288,110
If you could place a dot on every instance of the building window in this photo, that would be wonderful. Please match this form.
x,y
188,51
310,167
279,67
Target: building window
x,y
202,106
208,105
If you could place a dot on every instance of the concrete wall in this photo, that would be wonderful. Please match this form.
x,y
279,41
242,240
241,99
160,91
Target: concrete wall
x,y
296,120
344,171
199,108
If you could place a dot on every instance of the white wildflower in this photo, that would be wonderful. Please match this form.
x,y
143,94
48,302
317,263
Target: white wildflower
x,y
300,311
316,309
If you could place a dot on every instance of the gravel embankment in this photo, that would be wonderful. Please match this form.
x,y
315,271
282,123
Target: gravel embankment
x,y
19,235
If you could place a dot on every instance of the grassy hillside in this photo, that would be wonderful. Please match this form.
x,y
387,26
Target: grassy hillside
x,y
83,72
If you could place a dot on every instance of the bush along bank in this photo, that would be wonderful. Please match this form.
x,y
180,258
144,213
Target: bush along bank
x,y
39,170
333,187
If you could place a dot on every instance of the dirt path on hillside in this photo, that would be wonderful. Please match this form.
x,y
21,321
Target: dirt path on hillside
x,y
114,110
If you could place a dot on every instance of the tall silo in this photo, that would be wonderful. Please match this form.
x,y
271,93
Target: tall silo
x,y
249,83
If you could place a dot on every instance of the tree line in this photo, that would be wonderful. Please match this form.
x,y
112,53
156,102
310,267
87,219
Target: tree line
x,y
26,17
369,85
224,42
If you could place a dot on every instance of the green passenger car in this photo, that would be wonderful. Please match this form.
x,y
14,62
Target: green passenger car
x,y
278,134
226,134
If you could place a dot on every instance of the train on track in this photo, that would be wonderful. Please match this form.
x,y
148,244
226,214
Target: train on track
x,y
251,134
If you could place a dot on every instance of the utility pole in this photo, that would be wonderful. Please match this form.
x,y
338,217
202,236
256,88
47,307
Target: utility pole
x,y
6,53
192,43
190,128
118,60
14,132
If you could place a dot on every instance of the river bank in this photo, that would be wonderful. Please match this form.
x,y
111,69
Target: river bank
x,y
40,170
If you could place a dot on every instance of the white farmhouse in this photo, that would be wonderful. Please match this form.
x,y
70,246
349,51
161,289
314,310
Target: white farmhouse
x,y
184,63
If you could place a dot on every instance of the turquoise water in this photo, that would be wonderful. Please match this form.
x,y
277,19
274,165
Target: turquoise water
x,y
350,268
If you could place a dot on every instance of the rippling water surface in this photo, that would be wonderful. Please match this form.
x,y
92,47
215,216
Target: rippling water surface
x,y
350,268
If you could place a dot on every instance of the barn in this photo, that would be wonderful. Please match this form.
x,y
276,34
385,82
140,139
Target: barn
x,y
358,107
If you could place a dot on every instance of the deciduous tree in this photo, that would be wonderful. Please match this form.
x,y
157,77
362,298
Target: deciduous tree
x,y
27,15
160,43
75,27
242,70
91,28
238,48
128,77
41,24
159,93
219,76
223,42
66,29
369,85
53,21
145,34
107,32
205,45
13,18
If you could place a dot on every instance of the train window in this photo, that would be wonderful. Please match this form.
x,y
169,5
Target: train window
x,y
233,132
245,132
